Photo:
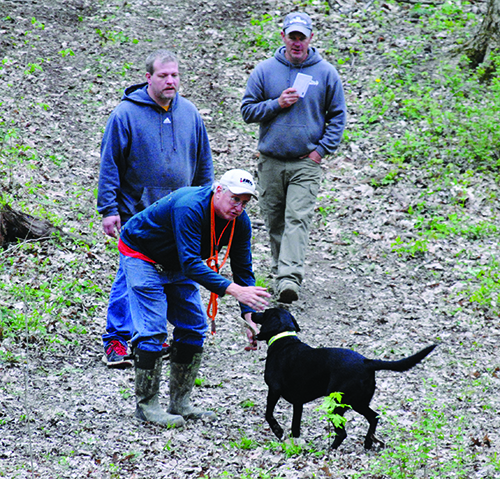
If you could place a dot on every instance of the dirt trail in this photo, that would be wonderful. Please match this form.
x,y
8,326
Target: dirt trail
x,y
357,293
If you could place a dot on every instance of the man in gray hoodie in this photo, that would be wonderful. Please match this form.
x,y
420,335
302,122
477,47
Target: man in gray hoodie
x,y
298,100
155,142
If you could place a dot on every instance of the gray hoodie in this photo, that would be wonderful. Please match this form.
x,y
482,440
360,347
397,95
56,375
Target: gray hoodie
x,y
315,122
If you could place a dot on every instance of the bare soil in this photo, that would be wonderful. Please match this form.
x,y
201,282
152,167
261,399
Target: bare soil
x,y
65,415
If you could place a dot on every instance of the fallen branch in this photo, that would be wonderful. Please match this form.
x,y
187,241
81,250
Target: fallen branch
x,y
16,225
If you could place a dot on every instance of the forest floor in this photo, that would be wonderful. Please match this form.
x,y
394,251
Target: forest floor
x,y
65,415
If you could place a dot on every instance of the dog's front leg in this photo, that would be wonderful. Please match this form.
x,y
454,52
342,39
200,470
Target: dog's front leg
x,y
297,417
272,399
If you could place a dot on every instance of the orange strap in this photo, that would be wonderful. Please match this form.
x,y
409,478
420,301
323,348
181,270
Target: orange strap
x,y
213,261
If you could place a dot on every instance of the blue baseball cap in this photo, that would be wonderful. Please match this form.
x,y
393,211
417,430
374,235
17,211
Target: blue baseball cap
x,y
298,22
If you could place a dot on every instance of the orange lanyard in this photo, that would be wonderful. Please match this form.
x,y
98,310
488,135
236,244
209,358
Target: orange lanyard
x,y
213,260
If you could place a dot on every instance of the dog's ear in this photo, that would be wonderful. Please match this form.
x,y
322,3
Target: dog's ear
x,y
294,321
257,317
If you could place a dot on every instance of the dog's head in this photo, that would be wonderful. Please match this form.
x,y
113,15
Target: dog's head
x,y
274,321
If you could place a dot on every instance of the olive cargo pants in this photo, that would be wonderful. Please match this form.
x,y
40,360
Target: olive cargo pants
x,y
287,196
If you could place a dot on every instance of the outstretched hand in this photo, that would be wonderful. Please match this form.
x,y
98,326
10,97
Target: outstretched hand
x,y
252,296
255,298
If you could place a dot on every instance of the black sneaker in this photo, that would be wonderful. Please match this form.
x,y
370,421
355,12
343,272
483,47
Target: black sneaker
x,y
117,357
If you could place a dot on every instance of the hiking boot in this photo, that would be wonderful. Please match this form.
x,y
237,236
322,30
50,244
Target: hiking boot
x,y
288,292
148,366
184,365
117,357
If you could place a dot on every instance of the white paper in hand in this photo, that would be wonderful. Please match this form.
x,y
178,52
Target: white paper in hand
x,y
301,84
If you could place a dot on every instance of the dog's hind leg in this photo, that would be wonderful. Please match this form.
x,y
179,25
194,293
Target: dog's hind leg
x,y
272,399
372,418
297,417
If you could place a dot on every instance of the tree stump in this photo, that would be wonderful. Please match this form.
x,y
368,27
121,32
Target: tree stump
x,y
487,39
15,225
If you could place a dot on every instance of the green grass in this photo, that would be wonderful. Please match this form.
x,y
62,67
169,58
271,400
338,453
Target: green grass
x,y
47,303
435,445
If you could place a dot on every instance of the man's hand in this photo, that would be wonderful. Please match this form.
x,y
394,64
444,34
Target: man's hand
x,y
288,98
112,225
315,156
253,296
251,331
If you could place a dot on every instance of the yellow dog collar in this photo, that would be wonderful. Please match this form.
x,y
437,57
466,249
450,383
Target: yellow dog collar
x,y
284,334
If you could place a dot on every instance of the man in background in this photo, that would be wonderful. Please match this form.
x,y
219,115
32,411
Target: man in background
x,y
298,127
155,142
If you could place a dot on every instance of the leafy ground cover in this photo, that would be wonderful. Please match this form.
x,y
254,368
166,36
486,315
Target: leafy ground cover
x,y
404,250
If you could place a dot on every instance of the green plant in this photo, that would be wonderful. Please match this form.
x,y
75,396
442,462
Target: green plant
x,y
199,382
126,393
263,35
326,206
244,443
331,406
113,36
33,67
67,52
430,447
261,281
411,248
37,24
247,404
486,292
289,448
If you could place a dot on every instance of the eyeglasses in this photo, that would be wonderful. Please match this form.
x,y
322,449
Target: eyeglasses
x,y
237,201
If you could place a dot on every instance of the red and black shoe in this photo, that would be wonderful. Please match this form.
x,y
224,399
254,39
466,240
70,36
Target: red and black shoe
x,y
117,356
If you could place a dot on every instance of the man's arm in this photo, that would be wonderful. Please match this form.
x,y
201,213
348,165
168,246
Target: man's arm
x,y
256,107
204,165
113,146
335,121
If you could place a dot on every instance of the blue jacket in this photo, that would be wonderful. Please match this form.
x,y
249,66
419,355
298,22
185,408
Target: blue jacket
x,y
175,232
147,152
315,122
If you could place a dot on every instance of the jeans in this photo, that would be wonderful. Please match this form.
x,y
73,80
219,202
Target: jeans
x,y
156,298
118,321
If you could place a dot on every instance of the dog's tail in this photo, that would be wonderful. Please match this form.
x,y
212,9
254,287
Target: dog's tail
x,y
402,364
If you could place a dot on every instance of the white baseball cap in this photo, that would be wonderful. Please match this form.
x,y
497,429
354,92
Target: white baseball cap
x,y
239,182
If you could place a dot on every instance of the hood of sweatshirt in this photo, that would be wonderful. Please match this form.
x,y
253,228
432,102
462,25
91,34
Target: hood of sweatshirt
x,y
313,57
139,94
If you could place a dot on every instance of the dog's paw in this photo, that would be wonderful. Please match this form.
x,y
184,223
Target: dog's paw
x,y
278,430
378,442
371,440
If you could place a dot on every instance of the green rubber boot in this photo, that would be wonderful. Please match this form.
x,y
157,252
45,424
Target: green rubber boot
x,y
147,386
185,360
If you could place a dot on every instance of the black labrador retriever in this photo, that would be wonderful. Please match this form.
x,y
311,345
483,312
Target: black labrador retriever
x,y
300,374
